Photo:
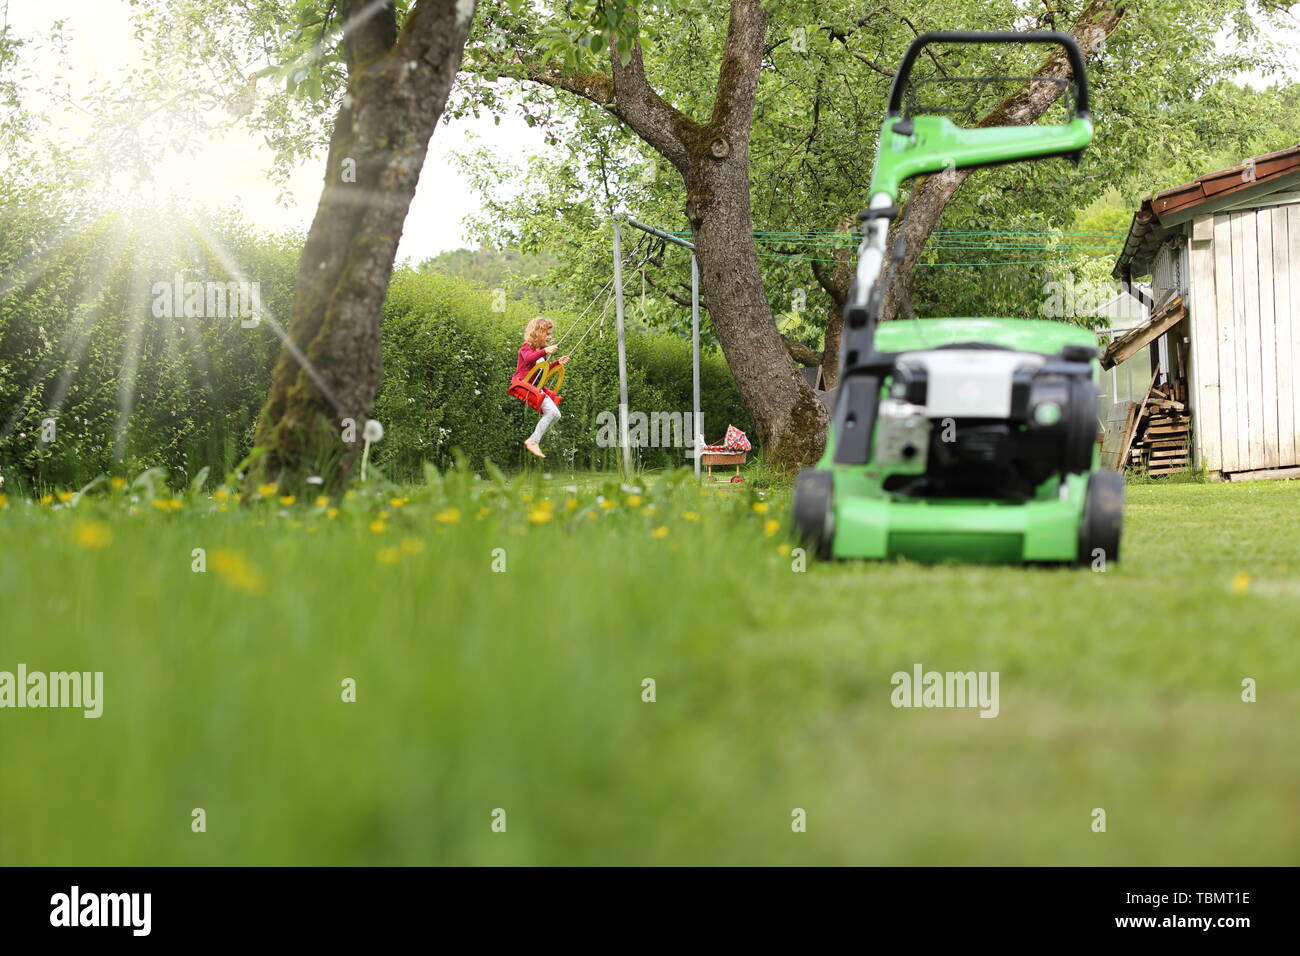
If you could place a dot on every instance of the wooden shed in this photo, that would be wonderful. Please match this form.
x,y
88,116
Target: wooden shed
x,y
1223,253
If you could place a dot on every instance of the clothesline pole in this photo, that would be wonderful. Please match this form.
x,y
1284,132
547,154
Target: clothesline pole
x,y
622,353
697,426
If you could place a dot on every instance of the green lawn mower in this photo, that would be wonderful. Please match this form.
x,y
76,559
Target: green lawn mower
x,y
961,439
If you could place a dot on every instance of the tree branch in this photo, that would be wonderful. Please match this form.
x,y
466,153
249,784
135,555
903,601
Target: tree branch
x,y
637,104
624,92
733,102
801,353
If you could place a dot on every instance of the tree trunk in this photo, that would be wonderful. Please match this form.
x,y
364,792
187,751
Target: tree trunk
x,y
790,420
328,371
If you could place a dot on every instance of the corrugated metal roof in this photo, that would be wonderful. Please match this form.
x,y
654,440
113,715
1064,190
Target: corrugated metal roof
x,y
1165,208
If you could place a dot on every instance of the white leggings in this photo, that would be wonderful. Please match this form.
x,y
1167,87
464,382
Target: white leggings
x,y
550,415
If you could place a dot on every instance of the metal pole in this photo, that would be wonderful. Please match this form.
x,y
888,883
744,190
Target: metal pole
x,y
660,233
622,352
697,426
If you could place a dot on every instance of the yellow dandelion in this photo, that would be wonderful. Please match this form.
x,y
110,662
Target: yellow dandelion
x,y
482,513
783,549
162,504
221,494
760,507
4,501
1241,583
591,514
770,527
267,490
175,504
398,502
47,499
412,545
237,571
540,515
287,500
449,516
387,555
332,512
92,535
634,501
322,501
222,508
378,526
65,496
606,504
572,504
660,532
690,516
117,483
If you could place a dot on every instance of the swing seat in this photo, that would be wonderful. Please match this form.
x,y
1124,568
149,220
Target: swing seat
x,y
534,390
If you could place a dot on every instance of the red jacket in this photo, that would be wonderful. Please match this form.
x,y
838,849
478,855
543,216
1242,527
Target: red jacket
x,y
528,357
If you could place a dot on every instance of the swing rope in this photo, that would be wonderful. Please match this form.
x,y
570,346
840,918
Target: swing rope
x,y
610,298
596,298
600,318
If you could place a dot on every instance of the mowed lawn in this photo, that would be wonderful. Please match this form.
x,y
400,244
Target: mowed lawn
x,y
521,690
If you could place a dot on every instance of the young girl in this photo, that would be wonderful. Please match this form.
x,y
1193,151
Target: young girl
x,y
536,347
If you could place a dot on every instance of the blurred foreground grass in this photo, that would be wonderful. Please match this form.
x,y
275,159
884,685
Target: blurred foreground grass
x,y
522,690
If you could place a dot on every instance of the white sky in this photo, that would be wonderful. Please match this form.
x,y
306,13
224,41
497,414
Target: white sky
x,y
232,170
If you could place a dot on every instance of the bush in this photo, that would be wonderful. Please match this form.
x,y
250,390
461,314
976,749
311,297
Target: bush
x,y
82,350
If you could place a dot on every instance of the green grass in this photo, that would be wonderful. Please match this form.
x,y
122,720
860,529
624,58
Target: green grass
x,y
522,690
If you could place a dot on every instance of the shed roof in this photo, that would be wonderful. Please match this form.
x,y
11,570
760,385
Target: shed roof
x,y
1259,175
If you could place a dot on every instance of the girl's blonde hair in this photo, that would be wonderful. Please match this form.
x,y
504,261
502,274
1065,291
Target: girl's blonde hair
x,y
535,333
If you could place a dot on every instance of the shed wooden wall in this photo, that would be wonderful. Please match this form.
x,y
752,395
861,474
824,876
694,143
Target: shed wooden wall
x,y
1245,330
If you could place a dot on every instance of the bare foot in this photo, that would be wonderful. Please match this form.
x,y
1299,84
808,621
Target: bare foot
x,y
534,448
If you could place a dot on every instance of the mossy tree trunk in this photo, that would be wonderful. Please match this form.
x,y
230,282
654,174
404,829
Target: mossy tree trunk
x,y
327,374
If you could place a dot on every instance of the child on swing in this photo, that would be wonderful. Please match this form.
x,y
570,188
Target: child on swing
x,y
536,347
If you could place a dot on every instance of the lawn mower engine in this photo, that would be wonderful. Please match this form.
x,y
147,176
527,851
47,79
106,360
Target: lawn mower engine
x,y
971,421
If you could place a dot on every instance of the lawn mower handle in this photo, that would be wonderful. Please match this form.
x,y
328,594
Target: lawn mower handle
x,y
994,36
